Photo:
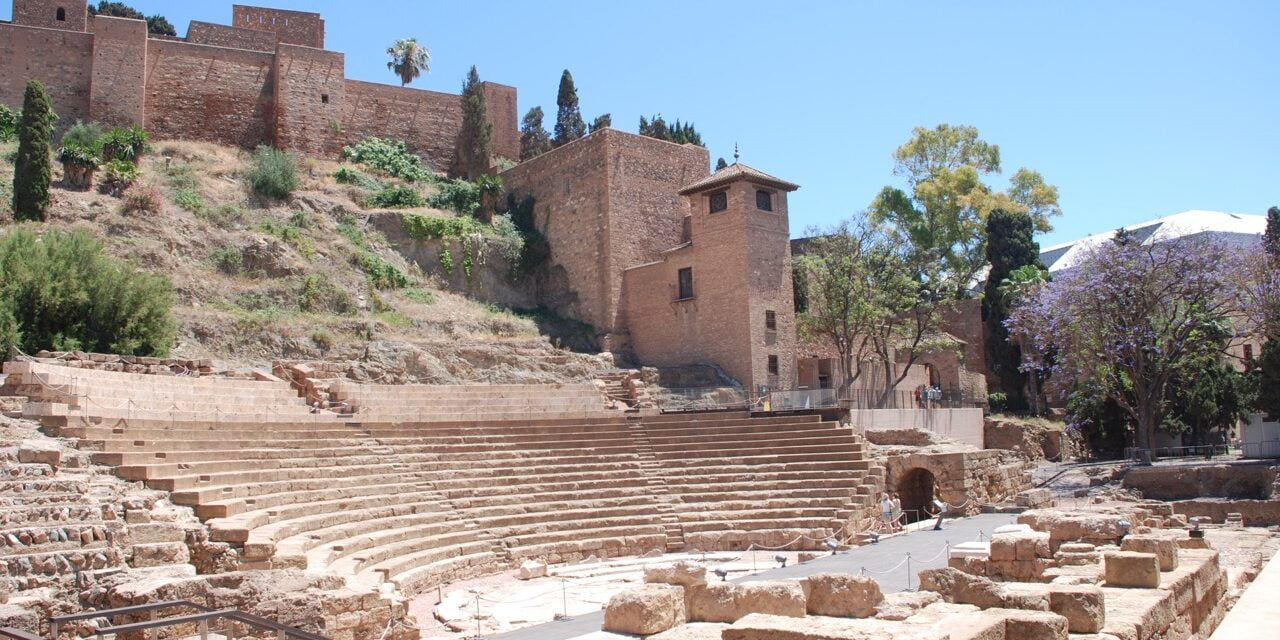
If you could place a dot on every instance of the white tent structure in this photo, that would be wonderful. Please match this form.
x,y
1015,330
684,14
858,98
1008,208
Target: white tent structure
x,y
1236,229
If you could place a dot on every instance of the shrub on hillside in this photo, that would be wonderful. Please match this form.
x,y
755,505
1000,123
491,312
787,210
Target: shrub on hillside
x,y
60,291
86,135
319,293
395,197
389,157
124,143
118,175
459,196
8,123
141,198
228,260
355,178
189,200
272,173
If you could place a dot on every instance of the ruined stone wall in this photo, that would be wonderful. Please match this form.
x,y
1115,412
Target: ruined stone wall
x,y
117,93
501,109
61,60
975,477
310,87
212,93
428,121
571,187
964,321
44,13
292,27
233,37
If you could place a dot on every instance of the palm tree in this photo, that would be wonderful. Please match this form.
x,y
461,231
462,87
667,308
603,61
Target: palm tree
x,y
408,60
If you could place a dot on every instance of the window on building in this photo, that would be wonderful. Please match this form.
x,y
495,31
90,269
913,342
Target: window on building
x,y
324,98
719,201
567,187
773,365
685,283
770,321
764,200
1248,352
62,14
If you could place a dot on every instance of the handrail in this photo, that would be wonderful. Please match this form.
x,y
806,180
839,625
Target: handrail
x,y
141,608
17,634
206,616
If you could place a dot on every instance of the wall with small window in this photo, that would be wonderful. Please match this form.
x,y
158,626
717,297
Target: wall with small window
x,y
67,15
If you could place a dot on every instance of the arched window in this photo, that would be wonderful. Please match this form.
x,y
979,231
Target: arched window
x,y
764,200
62,14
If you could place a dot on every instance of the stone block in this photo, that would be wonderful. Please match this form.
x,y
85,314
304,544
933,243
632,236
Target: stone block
x,y
530,569
1082,606
713,602
1165,549
1132,569
779,598
1034,625
681,573
842,595
646,610
37,452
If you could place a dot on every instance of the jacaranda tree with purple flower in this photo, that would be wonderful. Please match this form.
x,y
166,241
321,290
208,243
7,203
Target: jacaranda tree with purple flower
x,y
1130,317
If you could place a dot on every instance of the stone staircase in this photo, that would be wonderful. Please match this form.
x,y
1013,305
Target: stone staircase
x,y
658,486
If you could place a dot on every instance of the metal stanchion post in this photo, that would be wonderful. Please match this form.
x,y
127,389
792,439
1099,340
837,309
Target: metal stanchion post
x,y
564,599
908,572
478,635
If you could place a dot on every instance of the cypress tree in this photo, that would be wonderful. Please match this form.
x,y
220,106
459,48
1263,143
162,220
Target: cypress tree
x,y
569,124
1268,400
1271,237
31,171
534,139
602,122
1009,246
473,137
721,164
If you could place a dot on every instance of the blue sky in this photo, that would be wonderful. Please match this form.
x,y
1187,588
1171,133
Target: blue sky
x,y
1133,109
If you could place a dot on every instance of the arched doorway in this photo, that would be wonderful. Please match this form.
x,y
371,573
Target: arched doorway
x,y
916,490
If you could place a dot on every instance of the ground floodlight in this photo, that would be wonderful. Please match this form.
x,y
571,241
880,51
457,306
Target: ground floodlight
x,y
781,560
875,537
1122,524
832,545
722,572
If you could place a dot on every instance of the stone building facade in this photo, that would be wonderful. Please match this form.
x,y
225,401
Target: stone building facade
x,y
265,79
670,264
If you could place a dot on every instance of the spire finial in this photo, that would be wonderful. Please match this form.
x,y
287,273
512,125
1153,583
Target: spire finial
x,y
735,153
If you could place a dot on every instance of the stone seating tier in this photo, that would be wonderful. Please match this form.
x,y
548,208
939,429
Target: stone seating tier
x,y
431,483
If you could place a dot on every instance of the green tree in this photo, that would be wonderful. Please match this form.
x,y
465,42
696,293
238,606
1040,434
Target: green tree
x,y
721,164
943,209
32,171
61,291
1268,388
603,121
865,299
1022,284
534,139
569,124
1208,396
1009,246
408,60
156,24
677,132
1271,237
474,136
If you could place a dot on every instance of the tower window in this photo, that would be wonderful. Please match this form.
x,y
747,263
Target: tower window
x,y
61,14
770,321
1248,352
568,189
684,282
773,365
764,200
324,98
719,201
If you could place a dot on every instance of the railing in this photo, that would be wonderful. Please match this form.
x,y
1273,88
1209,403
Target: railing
x,y
911,399
17,634
1207,451
802,399
202,619
1264,449
701,399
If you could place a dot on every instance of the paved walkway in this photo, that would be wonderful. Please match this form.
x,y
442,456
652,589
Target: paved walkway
x,y
886,562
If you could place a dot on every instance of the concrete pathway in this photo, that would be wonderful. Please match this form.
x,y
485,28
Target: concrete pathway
x,y
885,561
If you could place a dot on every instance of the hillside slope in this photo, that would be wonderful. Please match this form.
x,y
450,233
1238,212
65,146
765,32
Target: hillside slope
x,y
258,280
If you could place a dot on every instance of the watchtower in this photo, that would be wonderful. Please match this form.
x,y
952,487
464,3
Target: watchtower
x,y
67,15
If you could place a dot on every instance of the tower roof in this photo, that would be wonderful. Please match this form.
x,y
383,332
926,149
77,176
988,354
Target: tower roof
x,y
733,173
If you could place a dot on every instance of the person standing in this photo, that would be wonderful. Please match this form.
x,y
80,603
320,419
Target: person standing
x,y
897,511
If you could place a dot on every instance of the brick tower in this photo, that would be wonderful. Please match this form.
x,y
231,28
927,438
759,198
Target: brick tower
x,y
67,15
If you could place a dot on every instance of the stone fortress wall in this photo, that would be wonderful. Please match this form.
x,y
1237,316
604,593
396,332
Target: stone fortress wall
x,y
267,79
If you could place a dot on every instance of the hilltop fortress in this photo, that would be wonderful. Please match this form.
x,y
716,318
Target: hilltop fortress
x,y
266,79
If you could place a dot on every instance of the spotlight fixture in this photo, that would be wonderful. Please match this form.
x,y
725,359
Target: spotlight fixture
x,y
722,572
781,560
875,537
832,545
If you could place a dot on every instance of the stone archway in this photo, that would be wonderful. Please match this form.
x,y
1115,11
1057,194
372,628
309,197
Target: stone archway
x,y
916,489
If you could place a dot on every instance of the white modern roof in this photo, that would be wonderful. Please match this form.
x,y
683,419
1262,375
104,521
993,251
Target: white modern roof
x,y
1235,228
